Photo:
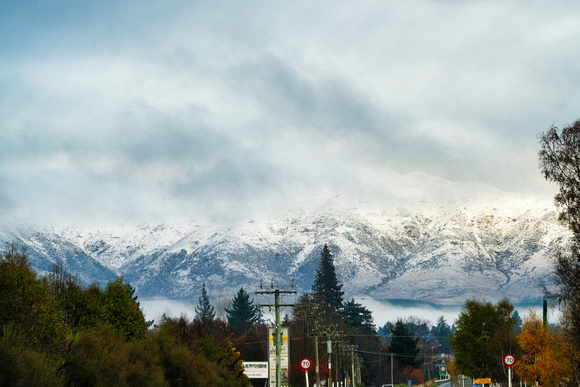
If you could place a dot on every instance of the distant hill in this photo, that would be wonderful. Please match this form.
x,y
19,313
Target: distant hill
x,y
496,246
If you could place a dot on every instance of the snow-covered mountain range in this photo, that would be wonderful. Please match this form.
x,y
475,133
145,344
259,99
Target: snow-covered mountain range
x,y
495,246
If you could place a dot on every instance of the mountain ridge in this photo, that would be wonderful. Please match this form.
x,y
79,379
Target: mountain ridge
x,y
442,252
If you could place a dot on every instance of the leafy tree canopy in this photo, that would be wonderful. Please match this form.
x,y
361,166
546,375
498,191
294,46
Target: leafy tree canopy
x,y
484,333
46,341
559,158
121,310
545,358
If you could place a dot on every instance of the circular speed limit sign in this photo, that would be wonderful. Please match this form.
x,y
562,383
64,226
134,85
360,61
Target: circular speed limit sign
x,y
509,360
305,364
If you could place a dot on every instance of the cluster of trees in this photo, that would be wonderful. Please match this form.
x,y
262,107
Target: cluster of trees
x,y
324,312
559,158
56,332
560,161
548,355
418,348
485,333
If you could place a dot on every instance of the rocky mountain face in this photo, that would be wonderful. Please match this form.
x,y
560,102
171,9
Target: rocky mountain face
x,y
446,253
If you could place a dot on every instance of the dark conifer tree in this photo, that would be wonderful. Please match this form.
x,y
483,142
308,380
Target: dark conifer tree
x,y
442,332
204,310
326,289
363,331
243,314
404,345
358,317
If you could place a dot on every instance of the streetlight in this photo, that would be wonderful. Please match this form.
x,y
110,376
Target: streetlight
x,y
429,365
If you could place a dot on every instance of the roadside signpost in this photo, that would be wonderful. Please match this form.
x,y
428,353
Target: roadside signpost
x,y
256,369
509,360
284,356
482,381
305,364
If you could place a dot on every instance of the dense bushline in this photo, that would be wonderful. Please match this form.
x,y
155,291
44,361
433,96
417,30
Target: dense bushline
x,y
56,332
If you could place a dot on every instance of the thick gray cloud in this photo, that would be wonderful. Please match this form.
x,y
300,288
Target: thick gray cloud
x,y
133,111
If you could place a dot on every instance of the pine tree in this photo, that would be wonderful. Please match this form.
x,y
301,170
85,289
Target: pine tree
x,y
326,289
204,311
404,345
358,317
442,332
243,313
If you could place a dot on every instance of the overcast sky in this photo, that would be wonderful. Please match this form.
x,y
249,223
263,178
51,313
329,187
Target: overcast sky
x,y
165,110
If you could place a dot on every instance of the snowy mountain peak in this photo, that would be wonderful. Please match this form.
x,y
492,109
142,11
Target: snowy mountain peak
x,y
436,249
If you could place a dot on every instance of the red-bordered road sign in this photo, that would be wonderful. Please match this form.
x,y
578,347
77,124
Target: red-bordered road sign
x,y
305,364
509,360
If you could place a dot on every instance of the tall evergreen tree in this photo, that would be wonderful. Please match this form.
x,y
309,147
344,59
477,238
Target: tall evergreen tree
x,y
204,310
404,345
326,289
243,313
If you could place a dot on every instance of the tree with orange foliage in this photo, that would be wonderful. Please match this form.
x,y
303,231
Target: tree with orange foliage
x,y
452,370
413,374
545,357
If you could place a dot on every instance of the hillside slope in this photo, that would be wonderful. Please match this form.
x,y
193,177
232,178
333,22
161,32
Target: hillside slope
x,y
446,253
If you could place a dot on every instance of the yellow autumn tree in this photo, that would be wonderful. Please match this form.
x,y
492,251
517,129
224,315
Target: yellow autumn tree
x,y
452,370
545,357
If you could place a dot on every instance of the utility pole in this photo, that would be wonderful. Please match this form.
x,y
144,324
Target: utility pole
x,y
352,365
337,361
339,365
393,383
331,332
316,350
276,291
329,350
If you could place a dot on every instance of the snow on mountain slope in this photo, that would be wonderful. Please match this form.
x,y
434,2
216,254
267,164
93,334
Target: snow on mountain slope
x,y
397,246
447,253
114,246
46,248
493,251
